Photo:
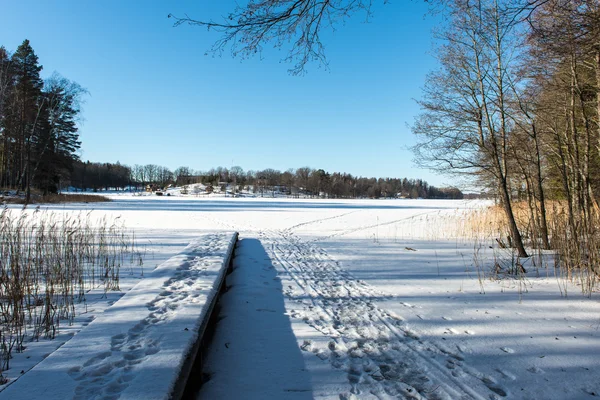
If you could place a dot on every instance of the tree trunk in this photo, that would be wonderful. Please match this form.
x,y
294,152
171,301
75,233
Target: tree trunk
x,y
540,189
517,240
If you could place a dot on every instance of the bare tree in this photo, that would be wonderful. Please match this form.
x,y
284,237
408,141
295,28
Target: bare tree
x,y
299,22
302,176
466,126
236,173
181,172
151,173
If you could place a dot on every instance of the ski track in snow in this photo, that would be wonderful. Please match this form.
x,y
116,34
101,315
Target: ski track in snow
x,y
316,221
380,353
106,375
365,227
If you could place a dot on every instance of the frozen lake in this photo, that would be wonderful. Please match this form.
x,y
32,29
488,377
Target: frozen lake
x,y
372,299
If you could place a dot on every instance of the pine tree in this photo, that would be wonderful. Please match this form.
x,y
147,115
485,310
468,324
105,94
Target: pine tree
x,y
28,106
58,140
6,87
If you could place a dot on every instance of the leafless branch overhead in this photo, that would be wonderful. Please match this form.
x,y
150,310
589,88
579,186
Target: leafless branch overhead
x,y
297,22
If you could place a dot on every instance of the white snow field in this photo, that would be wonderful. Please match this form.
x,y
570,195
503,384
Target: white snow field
x,y
348,299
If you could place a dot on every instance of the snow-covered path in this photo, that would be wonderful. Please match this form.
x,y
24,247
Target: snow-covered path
x,y
362,339
380,355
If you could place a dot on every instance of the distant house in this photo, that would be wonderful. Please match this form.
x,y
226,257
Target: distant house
x,y
281,189
223,184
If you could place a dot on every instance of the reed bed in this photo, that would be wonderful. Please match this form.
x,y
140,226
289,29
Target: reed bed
x,y
48,263
574,248
573,257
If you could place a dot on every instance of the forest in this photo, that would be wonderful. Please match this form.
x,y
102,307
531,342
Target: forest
x,y
516,104
310,182
38,123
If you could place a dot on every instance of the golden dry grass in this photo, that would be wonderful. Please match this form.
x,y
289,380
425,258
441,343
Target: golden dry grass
x,y
575,250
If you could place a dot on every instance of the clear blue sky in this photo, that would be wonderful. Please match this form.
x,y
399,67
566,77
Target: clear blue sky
x,y
155,97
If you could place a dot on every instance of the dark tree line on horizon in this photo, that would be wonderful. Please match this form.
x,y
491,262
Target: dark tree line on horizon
x,y
38,124
306,181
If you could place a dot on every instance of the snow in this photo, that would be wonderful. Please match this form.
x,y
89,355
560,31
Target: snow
x,y
137,348
342,299
256,295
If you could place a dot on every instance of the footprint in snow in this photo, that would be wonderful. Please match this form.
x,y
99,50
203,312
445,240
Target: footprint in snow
x,y
464,349
507,350
307,345
535,370
506,374
322,354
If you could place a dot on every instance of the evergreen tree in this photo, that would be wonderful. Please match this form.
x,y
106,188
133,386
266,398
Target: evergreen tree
x,y
6,87
38,123
58,140
28,105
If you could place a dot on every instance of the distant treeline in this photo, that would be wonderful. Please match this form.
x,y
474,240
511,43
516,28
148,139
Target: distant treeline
x,y
306,181
38,123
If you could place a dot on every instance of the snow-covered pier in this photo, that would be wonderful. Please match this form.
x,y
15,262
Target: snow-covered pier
x,y
144,345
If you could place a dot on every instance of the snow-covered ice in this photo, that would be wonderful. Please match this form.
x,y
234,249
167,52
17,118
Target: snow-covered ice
x,y
342,299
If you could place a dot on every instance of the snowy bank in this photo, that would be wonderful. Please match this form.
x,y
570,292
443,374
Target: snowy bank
x,y
143,346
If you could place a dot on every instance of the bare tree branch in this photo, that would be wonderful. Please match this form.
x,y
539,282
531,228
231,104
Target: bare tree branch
x,y
297,22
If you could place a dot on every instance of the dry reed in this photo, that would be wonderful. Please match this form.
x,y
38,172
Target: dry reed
x,y
48,262
574,253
